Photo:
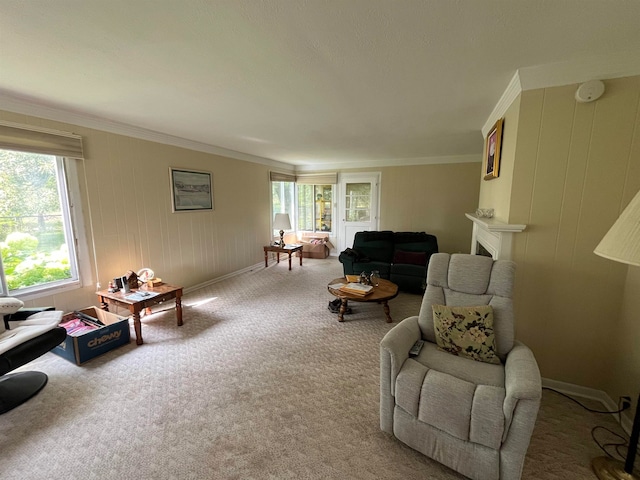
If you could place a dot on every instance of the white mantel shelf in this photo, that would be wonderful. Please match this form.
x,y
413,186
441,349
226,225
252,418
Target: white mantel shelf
x,y
494,225
495,236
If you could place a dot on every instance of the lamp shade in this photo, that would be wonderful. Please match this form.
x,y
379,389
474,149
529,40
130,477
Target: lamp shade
x,y
282,222
622,241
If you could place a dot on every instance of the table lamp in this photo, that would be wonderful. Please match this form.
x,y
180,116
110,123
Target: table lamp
x,y
283,223
622,244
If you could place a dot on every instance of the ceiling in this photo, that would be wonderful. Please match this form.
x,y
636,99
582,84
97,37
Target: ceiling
x,y
311,83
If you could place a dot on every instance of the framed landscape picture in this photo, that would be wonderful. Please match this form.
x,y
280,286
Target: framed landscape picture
x,y
190,190
492,151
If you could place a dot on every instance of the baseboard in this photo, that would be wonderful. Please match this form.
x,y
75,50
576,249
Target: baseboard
x,y
224,277
593,394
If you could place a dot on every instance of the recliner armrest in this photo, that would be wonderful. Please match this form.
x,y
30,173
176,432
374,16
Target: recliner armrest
x,y
394,351
397,343
522,376
522,384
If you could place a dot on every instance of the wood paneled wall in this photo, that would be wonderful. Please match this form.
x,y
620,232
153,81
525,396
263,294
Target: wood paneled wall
x,y
576,167
124,185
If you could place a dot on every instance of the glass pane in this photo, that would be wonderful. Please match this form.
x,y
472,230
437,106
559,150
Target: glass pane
x,y
32,231
305,207
358,202
282,198
323,207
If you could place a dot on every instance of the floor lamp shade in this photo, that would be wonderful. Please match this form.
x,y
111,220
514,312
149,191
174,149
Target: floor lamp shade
x,y
622,241
622,244
281,222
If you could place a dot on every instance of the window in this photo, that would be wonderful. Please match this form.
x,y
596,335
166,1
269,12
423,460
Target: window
x,y
358,202
282,200
315,207
37,248
307,198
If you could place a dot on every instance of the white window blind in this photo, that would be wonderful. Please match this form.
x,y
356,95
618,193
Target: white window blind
x,y
330,178
25,138
281,177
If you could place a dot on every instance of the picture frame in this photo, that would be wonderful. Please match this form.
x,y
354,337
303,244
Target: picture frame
x,y
191,190
492,149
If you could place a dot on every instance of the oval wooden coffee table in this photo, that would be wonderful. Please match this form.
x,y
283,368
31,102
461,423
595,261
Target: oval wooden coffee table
x,y
384,292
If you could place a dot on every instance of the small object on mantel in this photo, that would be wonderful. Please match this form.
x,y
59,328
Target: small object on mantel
x,y
484,212
154,282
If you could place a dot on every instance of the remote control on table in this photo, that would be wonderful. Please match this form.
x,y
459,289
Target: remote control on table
x,y
415,350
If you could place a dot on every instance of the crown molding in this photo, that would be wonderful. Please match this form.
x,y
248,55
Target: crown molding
x,y
623,64
602,67
25,107
514,88
390,162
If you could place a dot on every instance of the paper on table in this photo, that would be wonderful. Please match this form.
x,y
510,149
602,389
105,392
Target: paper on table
x,y
140,296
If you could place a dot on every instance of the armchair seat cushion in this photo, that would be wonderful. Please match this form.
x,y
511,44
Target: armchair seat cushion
x,y
469,409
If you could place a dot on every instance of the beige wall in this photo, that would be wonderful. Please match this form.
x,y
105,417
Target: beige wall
x,y
433,199
125,186
127,181
576,167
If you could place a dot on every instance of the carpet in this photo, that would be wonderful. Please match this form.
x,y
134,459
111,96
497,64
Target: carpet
x,y
261,382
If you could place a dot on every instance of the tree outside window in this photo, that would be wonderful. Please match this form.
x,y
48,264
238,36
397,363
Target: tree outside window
x,y
35,244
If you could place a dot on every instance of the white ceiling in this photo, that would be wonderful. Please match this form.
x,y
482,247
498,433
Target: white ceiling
x,y
312,83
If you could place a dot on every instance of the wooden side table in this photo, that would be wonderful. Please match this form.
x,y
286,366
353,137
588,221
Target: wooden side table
x,y
135,306
290,249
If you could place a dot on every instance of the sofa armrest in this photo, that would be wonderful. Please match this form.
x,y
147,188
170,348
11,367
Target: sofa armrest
x,y
523,392
347,263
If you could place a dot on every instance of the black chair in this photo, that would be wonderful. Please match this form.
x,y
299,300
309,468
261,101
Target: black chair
x,y
25,335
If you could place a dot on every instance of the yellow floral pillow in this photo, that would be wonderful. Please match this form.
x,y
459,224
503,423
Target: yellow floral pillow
x,y
466,331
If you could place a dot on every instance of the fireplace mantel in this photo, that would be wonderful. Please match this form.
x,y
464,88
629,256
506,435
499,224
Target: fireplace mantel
x,y
495,236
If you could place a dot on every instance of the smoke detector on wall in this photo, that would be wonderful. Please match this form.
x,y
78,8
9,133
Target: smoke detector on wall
x,y
589,91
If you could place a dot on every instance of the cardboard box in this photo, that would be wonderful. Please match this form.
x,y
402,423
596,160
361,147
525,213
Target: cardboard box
x,y
316,247
82,348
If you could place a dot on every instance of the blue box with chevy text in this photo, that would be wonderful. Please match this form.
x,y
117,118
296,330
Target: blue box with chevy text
x,y
96,342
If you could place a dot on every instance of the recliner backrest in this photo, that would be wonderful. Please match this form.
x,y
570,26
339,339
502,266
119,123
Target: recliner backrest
x,y
471,280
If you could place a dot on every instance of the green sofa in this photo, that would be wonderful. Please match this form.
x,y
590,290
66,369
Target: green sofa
x,y
401,257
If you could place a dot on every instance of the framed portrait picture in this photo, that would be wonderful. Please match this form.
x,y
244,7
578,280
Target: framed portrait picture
x,y
190,190
492,147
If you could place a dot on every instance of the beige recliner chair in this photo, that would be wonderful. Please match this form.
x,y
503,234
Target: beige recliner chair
x,y
473,416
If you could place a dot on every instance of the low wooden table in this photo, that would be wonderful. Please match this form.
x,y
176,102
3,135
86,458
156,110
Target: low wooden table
x,y
290,249
135,306
384,292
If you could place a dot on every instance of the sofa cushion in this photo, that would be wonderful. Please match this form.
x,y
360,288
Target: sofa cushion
x,y
368,267
466,331
409,270
410,258
377,246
